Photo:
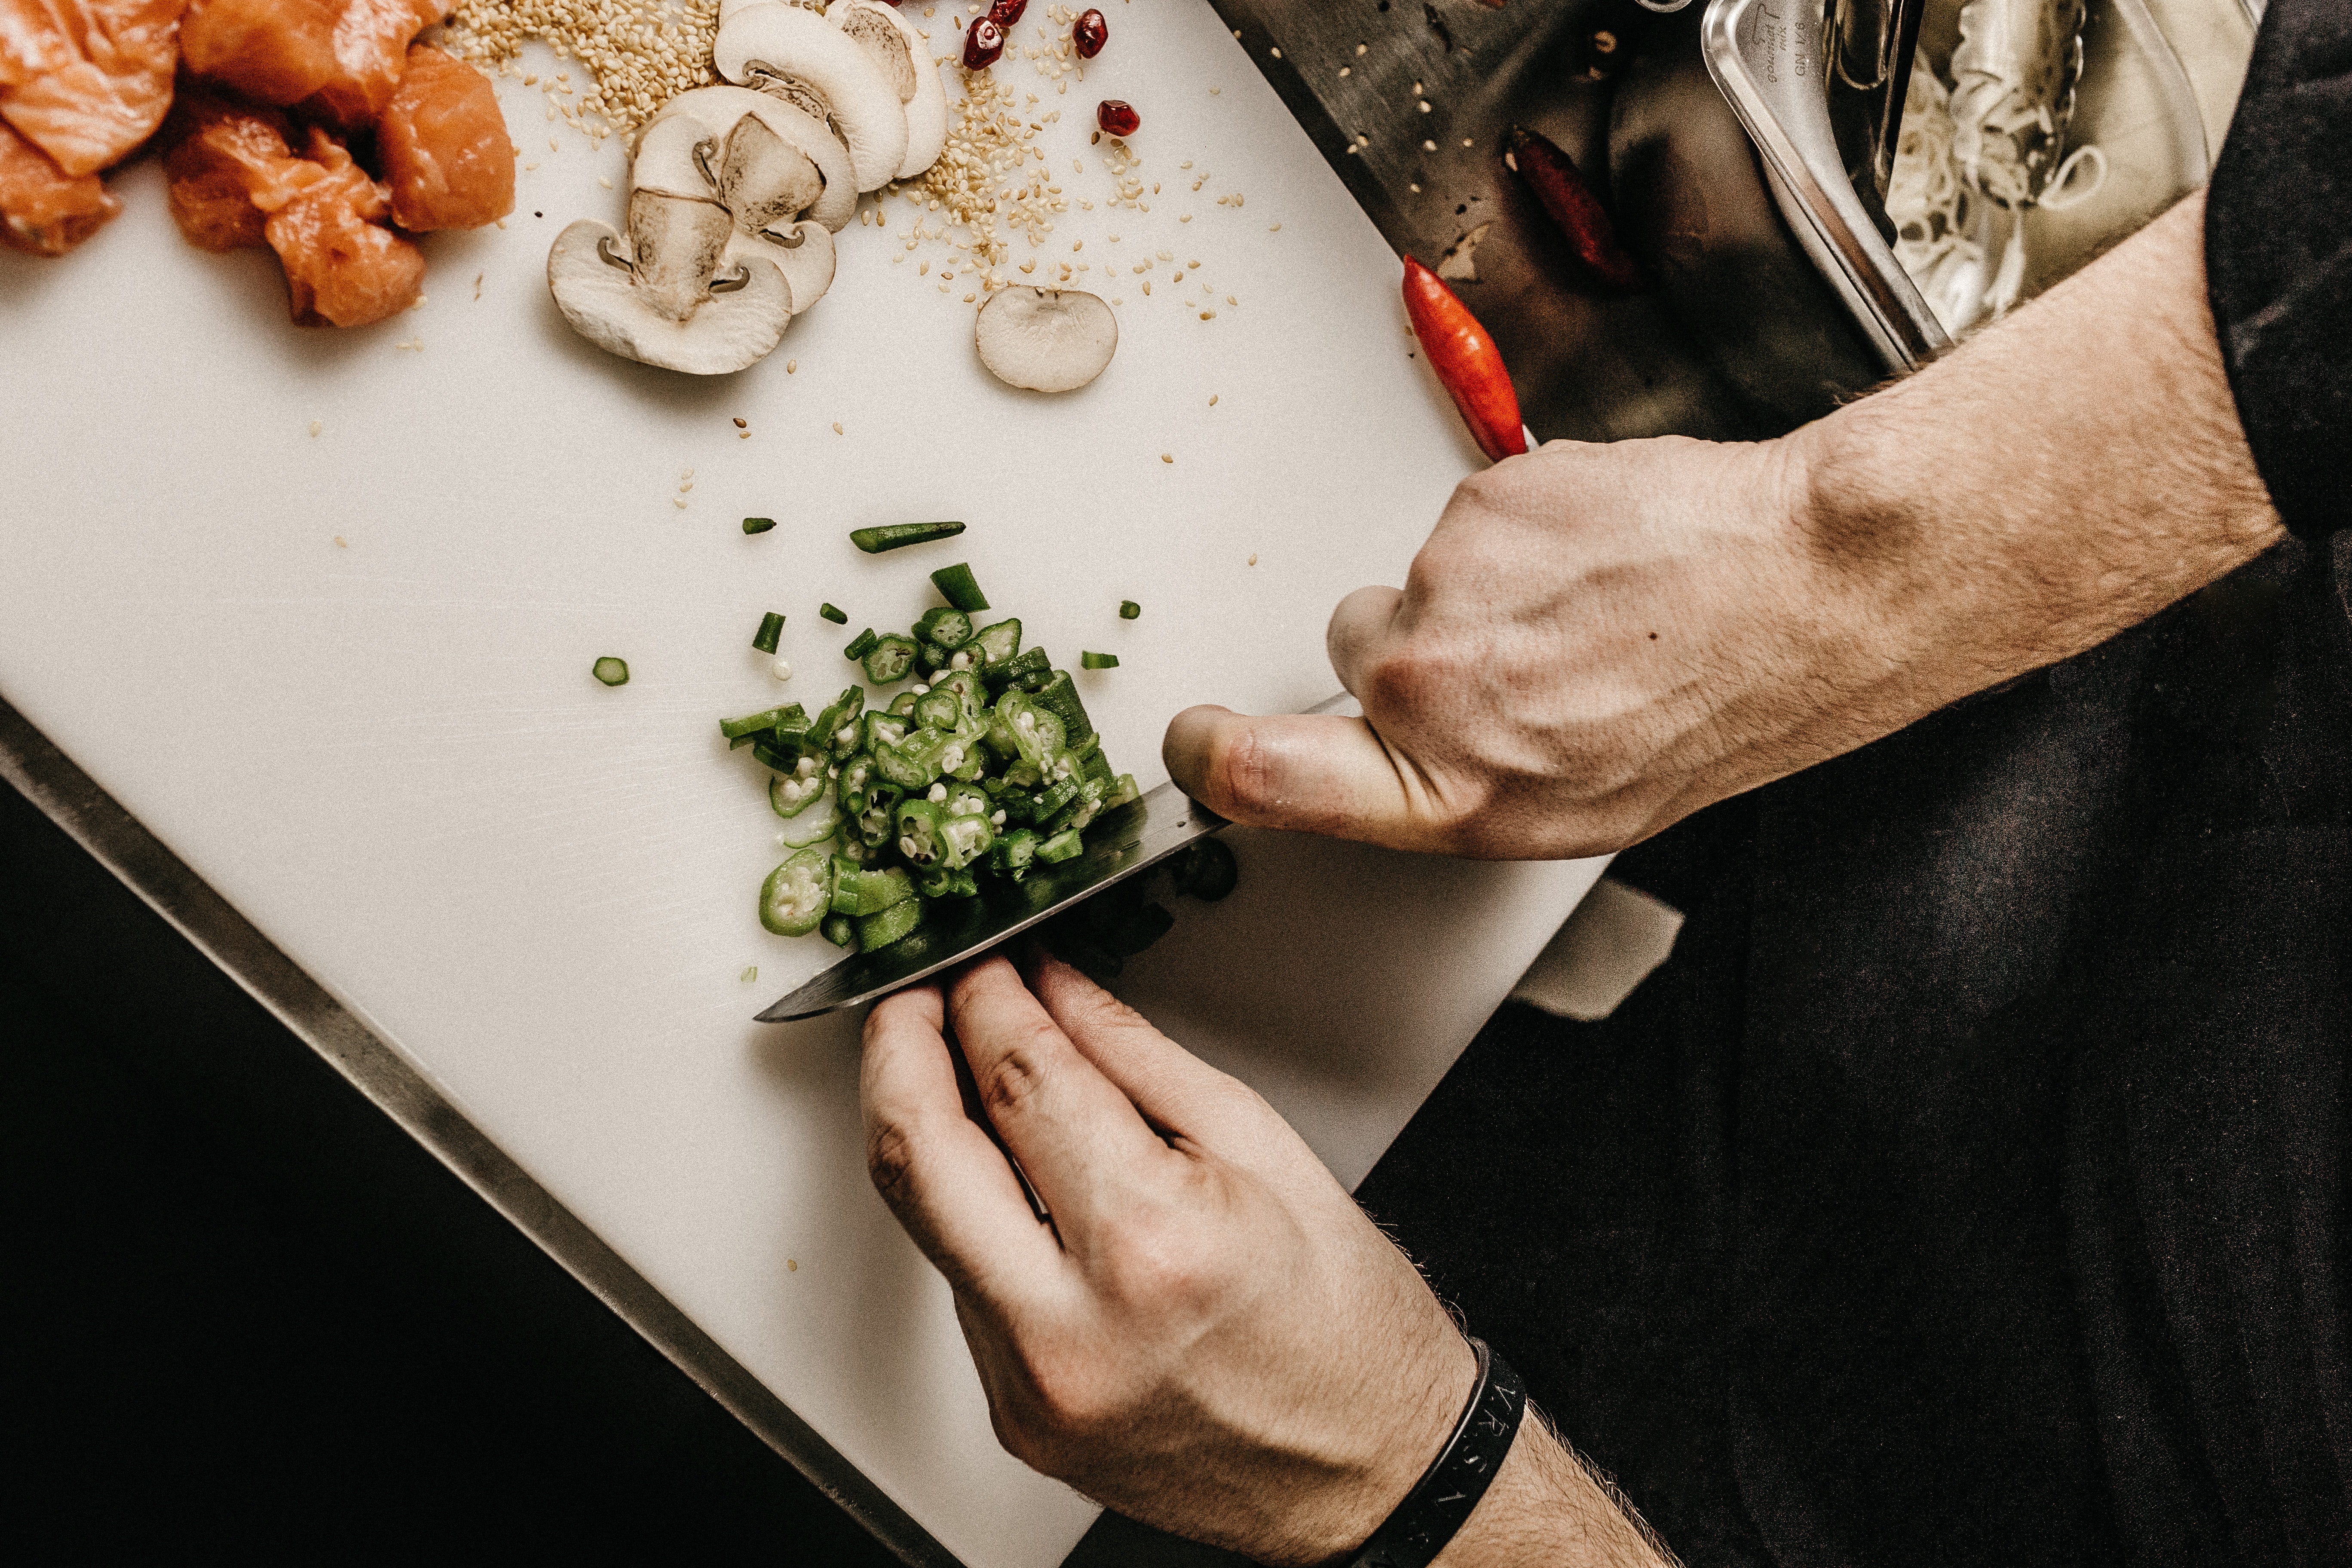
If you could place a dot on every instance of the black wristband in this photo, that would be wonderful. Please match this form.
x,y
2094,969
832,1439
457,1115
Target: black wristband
x,y
1442,1500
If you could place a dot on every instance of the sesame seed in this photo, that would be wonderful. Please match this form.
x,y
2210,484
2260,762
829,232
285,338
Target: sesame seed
x,y
791,365
1167,457
837,427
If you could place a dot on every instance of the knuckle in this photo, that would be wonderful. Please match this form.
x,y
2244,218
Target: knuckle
x,y
1015,1078
890,1159
1245,768
1157,1262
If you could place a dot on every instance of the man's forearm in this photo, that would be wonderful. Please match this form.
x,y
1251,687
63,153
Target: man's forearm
x,y
1545,1509
2064,476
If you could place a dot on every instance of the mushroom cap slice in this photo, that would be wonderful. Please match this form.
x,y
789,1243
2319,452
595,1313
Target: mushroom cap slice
x,y
803,253
763,180
775,39
602,301
916,77
1048,340
719,109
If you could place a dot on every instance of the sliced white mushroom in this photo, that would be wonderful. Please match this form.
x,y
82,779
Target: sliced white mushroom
x,y
667,157
647,304
800,56
764,180
804,253
894,46
1048,340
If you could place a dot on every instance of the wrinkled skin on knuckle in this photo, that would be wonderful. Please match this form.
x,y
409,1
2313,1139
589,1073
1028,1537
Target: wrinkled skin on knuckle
x,y
890,1159
1247,772
1013,1079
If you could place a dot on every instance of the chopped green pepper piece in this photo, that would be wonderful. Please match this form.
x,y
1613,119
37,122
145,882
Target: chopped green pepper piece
x,y
1205,870
1129,609
784,756
1097,660
1062,846
840,931
861,645
880,931
610,670
946,625
810,822
956,585
836,729
939,708
859,891
882,730
834,613
898,535
772,629
1123,792
793,898
1000,674
877,823
757,525
931,656
886,662
966,838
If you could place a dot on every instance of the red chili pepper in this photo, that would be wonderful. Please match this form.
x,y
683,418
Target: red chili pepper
x,y
1583,222
1466,359
1089,33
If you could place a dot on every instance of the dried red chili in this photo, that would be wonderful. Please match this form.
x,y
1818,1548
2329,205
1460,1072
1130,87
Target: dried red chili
x,y
1466,362
1583,222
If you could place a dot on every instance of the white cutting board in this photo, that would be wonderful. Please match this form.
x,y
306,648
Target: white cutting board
x,y
388,753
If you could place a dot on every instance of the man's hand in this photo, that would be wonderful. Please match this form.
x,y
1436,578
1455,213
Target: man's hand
x,y
1598,640
1211,1337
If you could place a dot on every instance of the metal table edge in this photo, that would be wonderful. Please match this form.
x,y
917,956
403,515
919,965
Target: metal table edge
x,y
42,772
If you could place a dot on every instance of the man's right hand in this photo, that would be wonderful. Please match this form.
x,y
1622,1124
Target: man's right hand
x,y
1598,640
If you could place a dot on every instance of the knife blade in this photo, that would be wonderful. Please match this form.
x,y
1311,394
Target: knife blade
x,y
1124,841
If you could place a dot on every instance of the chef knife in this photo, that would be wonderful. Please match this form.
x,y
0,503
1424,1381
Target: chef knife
x,y
1122,842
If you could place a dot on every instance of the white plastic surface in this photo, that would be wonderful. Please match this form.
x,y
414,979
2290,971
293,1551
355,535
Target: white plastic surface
x,y
388,751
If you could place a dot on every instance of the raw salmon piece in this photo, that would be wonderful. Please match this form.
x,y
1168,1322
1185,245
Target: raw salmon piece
x,y
93,111
273,51
341,265
445,148
371,50
42,208
222,154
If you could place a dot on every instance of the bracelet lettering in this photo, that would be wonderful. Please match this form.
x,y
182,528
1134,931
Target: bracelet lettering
x,y
1442,1500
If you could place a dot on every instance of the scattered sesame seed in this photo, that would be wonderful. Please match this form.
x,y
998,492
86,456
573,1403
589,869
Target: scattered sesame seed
x,y
1213,400
1429,147
1167,457
315,427
679,501
836,427
741,423
1425,106
1278,53
1253,559
791,365
342,543
1346,70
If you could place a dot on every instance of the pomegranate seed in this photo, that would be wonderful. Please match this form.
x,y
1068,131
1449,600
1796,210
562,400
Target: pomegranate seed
x,y
1090,34
1117,117
984,41
1005,13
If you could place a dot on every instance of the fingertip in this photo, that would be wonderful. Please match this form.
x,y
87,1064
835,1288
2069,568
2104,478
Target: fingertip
x,y
1188,748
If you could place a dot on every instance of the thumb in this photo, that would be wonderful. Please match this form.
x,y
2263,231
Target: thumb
x,y
1308,772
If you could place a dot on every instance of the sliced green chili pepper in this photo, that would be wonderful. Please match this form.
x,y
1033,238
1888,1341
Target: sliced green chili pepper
x,y
834,613
836,728
898,535
757,525
1129,609
1097,660
1205,870
956,585
840,931
882,730
931,656
946,625
859,891
906,772
784,756
887,663
1123,792
771,630
856,772
610,670
877,823
1062,846
1001,674
861,645
966,838
939,708
793,898
808,822
880,931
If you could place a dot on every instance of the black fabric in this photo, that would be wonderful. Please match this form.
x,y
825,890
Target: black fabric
x,y
2278,258
1969,1187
